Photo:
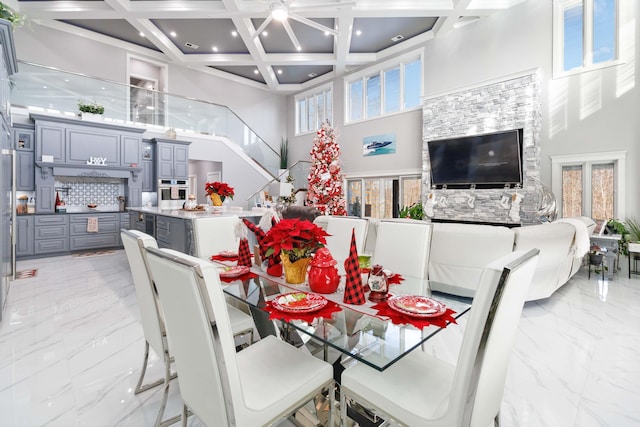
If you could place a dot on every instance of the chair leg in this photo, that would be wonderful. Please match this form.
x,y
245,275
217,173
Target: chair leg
x,y
139,387
496,420
343,408
185,413
167,380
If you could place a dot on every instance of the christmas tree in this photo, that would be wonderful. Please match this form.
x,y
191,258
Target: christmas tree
x,y
325,176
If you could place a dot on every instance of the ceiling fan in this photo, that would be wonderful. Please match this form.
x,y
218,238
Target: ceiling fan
x,y
282,10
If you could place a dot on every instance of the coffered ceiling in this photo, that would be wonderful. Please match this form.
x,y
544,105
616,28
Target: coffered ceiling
x,y
316,42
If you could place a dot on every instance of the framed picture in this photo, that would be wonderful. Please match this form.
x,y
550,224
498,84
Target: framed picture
x,y
379,144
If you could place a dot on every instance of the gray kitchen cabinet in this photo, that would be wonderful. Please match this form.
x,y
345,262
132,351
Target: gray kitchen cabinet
x,y
131,154
51,234
23,142
148,178
25,170
107,235
45,193
172,159
25,234
50,141
83,144
23,137
172,233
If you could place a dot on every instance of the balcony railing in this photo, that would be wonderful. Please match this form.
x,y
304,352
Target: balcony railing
x,y
299,172
46,89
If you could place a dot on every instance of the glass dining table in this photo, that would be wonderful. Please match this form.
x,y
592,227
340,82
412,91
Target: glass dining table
x,y
355,331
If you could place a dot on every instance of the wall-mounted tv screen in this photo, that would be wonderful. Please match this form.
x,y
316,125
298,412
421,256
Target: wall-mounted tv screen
x,y
489,160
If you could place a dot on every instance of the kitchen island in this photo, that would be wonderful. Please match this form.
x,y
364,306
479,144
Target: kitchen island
x,y
173,228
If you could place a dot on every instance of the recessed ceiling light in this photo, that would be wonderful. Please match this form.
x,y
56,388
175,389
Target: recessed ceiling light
x,y
312,75
173,33
358,32
234,33
327,33
214,48
44,87
279,71
299,48
141,34
279,12
397,38
255,71
265,33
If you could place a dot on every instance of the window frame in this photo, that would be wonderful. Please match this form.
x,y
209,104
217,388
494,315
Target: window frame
x,y
586,161
399,176
379,70
318,116
587,30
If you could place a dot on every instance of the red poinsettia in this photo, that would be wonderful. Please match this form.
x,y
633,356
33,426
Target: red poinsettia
x,y
295,237
220,188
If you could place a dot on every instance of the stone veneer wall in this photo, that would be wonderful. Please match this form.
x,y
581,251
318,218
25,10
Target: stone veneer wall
x,y
507,105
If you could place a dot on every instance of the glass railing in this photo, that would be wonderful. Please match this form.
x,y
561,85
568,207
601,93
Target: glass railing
x,y
277,188
46,89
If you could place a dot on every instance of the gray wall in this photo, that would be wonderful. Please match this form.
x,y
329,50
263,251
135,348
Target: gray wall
x,y
585,113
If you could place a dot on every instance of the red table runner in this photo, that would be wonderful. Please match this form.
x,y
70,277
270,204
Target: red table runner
x,y
224,258
419,322
324,312
245,276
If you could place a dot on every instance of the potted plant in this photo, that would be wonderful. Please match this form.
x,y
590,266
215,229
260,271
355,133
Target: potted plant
x,y
414,211
90,110
15,18
633,226
618,227
295,241
218,191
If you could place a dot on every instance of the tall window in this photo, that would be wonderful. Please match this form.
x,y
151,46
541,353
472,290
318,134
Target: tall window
x,y
388,88
585,34
379,197
313,108
591,185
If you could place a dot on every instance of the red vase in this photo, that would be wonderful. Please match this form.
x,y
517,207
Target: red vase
x,y
323,275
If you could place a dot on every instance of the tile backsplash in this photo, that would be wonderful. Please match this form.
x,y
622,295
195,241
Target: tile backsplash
x,y
78,192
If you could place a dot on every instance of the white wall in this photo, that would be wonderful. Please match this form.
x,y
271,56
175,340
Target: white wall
x,y
262,111
586,113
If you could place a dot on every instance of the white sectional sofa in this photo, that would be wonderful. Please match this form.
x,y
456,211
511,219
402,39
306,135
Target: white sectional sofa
x,y
459,252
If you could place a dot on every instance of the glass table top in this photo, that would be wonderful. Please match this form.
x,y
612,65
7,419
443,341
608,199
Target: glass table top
x,y
356,330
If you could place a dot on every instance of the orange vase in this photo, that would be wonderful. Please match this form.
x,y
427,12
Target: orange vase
x,y
216,200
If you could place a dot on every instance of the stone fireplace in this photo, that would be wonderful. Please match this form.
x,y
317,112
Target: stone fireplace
x,y
505,105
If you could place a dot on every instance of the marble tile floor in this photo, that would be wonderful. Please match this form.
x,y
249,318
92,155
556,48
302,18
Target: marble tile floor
x,y
71,346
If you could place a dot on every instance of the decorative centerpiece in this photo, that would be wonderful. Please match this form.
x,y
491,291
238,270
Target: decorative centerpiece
x,y
218,191
295,241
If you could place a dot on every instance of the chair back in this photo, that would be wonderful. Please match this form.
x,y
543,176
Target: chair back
x,y
135,244
339,241
403,247
479,381
212,235
199,333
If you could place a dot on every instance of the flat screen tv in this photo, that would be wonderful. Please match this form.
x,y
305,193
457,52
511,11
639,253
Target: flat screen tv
x,y
490,160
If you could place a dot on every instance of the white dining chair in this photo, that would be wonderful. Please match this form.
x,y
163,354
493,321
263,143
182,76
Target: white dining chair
x,y
403,247
254,387
135,243
339,229
421,390
214,234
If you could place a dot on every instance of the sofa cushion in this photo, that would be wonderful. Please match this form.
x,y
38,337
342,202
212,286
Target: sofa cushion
x,y
556,244
459,253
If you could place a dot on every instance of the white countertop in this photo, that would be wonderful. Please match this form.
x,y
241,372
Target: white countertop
x,y
186,214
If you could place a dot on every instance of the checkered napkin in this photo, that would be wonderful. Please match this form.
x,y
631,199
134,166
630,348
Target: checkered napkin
x,y
353,291
244,255
274,268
